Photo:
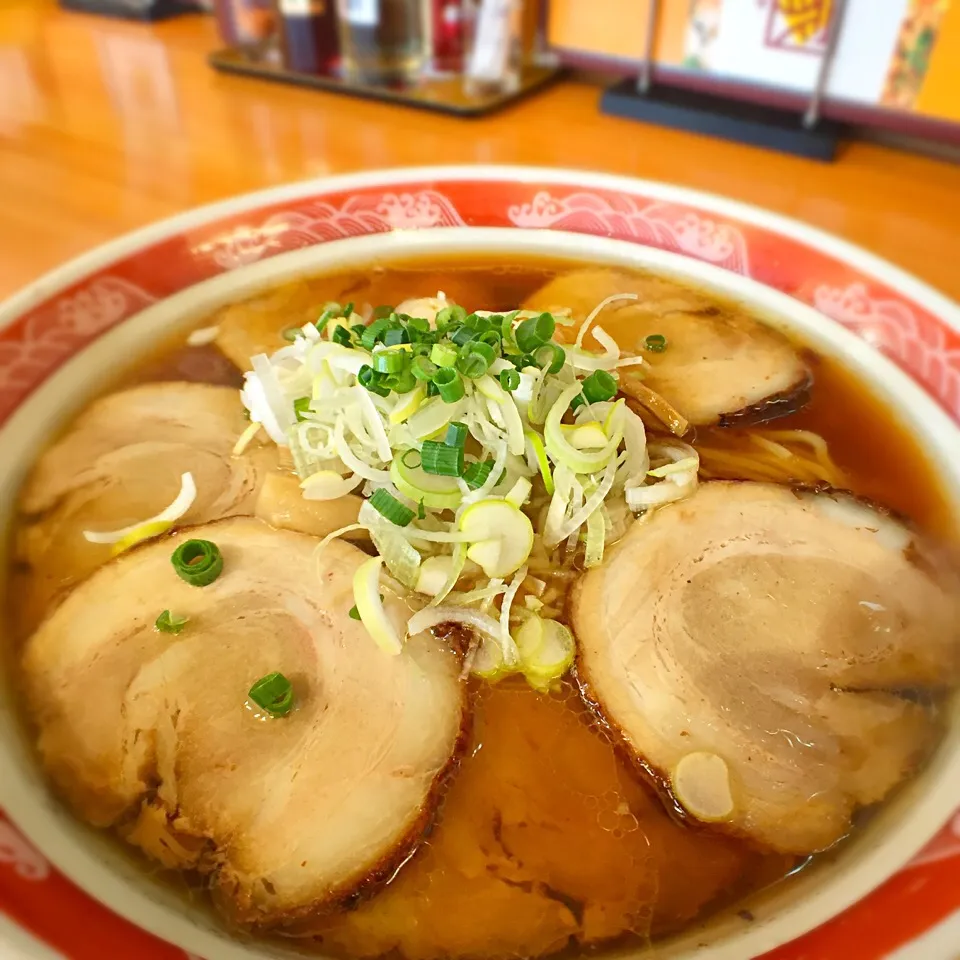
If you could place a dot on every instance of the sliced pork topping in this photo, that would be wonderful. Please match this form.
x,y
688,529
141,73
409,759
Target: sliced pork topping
x,y
290,813
714,365
766,654
263,323
122,462
281,503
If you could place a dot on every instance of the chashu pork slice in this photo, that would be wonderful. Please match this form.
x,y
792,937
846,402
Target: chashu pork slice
x,y
721,366
765,653
120,462
290,815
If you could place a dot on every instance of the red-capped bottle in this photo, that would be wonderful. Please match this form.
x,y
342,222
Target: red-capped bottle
x,y
309,35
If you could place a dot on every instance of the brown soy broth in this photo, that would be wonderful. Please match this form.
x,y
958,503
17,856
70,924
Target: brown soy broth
x,y
547,840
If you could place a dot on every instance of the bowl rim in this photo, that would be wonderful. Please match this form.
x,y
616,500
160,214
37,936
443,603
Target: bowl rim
x,y
64,276
55,280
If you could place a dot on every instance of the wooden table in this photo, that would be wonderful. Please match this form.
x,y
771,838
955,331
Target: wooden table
x,y
106,126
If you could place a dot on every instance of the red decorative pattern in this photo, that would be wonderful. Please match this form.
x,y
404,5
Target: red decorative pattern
x,y
43,338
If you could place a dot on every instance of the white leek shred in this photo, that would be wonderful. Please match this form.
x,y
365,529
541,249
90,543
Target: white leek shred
x,y
202,336
511,655
433,616
245,438
679,477
169,515
329,538
328,485
595,312
401,558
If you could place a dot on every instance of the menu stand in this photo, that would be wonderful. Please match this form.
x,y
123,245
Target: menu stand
x,y
806,135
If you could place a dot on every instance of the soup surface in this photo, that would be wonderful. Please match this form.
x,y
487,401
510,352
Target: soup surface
x,y
547,837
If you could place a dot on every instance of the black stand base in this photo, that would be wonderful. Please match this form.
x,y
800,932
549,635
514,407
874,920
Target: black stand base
x,y
157,10
722,117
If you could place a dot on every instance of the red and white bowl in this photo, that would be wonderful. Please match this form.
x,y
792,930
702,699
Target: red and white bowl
x,y
893,893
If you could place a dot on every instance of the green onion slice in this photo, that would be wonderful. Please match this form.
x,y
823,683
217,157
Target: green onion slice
x,y
456,435
402,382
369,378
390,361
463,335
273,693
291,333
372,334
475,359
476,474
448,384
443,354
394,336
510,379
535,332
387,505
411,459
550,357
656,343
440,459
450,315
599,386
341,336
198,562
168,623
423,368
301,406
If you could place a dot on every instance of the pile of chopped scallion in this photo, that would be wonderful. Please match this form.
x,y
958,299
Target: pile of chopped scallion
x,y
487,453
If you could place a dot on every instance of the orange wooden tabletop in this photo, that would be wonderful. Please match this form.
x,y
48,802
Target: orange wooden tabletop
x,y
106,126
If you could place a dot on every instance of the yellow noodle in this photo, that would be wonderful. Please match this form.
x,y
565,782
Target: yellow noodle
x,y
780,456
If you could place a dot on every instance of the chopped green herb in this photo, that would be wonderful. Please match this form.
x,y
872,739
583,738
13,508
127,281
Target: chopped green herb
x,y
301,406
168,623
198,562
368,378
443,355
341,335
656,343
476,474
273,693
475,359
440,459
387,505
448,384
390,361
510,379
423,368
534,332
456,435
550,357
354,614
372,334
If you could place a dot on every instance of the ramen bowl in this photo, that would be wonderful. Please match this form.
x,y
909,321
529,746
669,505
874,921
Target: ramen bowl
x,y
63,338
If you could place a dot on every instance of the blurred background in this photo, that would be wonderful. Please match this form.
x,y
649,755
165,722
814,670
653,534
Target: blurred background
x,y
116,112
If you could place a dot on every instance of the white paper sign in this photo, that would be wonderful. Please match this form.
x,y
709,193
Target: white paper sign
x,y
362,13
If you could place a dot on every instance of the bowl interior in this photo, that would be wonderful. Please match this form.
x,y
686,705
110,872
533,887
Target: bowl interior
x,y
119,879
